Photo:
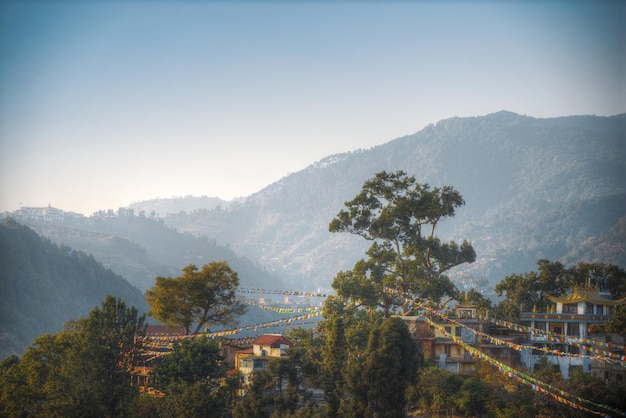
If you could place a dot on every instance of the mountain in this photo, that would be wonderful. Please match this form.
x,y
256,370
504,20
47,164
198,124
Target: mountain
x,y
140,248
43,285
534,188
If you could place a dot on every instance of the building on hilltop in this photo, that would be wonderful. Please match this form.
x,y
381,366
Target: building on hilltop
x,y
48,213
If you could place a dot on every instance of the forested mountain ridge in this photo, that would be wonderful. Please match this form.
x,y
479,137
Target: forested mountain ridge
x,y
140,248
43,285
534,188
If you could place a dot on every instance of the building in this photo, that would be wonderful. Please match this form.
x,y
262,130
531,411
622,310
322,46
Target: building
x,y
48,213
263,349
434,339
571,317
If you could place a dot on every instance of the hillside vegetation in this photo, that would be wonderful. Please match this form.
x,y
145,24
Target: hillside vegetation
x,y
43,285
140,248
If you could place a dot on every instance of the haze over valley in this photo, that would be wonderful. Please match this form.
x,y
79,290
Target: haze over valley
x,y
534,189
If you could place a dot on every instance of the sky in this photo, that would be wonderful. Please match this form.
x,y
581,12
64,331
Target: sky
x,y
106,103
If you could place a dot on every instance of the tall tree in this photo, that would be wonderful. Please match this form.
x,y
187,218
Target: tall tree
x,y
334,353
83,372
99,365
378,382
400,217
202,297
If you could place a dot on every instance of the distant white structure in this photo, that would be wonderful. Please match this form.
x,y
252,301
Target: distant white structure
x,y
48,213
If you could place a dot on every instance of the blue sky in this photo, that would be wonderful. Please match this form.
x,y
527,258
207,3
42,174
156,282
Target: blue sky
x,y
106,103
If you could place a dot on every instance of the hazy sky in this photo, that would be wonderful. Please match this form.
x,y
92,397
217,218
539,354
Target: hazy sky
x,y
106,103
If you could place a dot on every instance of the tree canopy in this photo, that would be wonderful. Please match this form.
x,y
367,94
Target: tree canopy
x,y
193,360
400,216
85,371
202,297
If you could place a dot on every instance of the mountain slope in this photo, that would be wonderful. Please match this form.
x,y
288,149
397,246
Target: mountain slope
x,y
533,188
43,285
141,248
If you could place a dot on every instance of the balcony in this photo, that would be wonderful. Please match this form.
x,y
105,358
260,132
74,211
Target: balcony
x,y
563,317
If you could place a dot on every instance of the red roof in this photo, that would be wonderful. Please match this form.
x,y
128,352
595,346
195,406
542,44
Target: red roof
x,y
272,340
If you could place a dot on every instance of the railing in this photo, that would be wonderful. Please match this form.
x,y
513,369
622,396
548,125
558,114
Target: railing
x,y
537,316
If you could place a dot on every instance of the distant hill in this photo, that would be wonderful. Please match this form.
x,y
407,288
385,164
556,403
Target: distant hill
x,y
43,285
140,248
164,207
534,188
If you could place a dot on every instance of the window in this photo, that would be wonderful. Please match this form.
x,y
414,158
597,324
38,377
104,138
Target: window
x,y
600,310
588,308
446,349
573,330
259,364
457,331
570,308
448,330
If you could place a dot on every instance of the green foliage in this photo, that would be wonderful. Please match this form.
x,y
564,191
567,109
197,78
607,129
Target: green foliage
x,y
335,355
80,373
524,292
617,323
191,400
44,285
193,360
307,352
400,216
203,297
254,404
378,380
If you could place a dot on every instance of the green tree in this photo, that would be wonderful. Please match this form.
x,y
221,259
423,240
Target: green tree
x,y
254,404
617,323
203,297
334,354
84,372
193,360
307,352
99,365
527,291
400,217
33,386
378,382
605,276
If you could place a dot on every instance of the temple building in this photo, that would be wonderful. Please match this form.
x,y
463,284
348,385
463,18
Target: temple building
x,y
568,319
572,315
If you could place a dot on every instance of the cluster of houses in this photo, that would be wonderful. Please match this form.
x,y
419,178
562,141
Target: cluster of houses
x,y
243,361
441,341
561,336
